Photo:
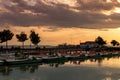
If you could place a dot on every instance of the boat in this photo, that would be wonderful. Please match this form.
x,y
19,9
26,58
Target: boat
x,y
53,59
21,61
1,62
70,57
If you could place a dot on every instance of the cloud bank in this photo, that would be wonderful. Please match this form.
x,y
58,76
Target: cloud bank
x,y
93,14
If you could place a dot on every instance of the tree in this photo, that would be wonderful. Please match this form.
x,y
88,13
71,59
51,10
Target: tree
x,y
99,40
114,42
118,44
5,36
0,36
34,38
22,37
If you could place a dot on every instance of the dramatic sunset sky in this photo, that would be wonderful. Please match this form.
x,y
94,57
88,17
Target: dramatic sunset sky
x,y
62,21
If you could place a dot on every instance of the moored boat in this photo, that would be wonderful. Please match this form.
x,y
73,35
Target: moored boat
x,y
1,62
21,61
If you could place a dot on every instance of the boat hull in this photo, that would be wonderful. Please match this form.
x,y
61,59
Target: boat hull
x,y
19,62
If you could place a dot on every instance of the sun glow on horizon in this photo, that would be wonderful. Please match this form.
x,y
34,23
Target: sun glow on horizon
x,y
66,35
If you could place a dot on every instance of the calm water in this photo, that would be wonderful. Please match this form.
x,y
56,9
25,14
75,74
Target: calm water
x,y
100,69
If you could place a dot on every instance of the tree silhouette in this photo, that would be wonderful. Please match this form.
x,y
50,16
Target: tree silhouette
x,y
99,40
34,38
118,44
0,36
114,42
5,36
22,37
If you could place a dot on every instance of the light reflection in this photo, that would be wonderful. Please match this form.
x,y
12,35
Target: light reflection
x,y
100,69
104,62
107,78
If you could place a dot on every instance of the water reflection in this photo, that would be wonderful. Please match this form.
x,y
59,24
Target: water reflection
x,y
81,69
54,65
6,70
29,68
97,61
107,78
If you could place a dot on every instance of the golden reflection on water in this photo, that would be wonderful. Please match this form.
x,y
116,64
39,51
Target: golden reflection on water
x,y
90,69
111,62
107,78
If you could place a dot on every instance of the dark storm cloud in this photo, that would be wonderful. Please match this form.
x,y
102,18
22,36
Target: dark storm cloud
x,y
97,5
87,14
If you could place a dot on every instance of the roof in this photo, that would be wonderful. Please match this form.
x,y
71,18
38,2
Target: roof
x,y
89,42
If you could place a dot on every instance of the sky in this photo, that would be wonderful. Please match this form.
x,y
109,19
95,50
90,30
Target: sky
x,y
62,21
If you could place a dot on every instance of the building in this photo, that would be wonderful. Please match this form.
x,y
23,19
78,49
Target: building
x,y
89,44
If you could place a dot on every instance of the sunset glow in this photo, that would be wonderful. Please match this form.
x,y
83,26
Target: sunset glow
x,y
66,35
117,10
62,21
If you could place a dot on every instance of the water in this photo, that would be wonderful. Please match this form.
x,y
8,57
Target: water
x,y
94,69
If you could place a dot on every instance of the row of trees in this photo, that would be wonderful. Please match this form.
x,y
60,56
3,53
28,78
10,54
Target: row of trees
x,y
7,35
102,42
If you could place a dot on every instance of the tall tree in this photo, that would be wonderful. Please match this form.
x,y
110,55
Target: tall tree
x,y
34,37
99,40
0,36
22,37
114,42
5,36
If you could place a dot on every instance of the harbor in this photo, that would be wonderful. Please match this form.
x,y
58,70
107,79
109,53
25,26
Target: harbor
x,y
53,55
59,39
